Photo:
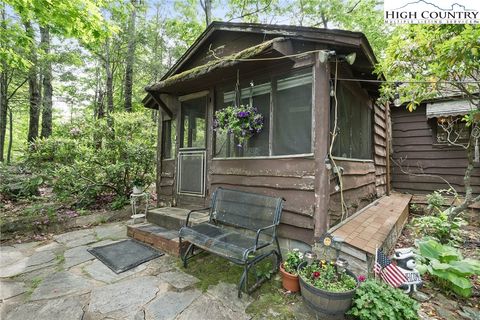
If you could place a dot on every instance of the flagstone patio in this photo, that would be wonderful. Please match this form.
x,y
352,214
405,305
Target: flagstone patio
x,y
59,279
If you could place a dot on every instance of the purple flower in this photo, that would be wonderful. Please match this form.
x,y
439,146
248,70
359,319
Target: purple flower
x,y
362,278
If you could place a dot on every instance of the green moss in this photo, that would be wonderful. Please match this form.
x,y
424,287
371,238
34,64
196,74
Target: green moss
x,y
215,64
33,285
270,301
210,270
60,258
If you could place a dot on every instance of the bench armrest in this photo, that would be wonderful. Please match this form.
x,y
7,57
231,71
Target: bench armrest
x,y
259,231
196,210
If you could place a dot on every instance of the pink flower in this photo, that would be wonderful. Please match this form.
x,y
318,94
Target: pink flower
x,y
362,278
316,274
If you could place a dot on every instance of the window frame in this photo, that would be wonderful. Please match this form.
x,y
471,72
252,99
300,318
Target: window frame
x,y
433,123
273,78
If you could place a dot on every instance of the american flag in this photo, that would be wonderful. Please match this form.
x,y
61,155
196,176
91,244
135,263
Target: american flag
x,y
389,272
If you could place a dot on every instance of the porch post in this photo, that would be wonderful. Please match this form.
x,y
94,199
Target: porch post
x,y
159,153
321,125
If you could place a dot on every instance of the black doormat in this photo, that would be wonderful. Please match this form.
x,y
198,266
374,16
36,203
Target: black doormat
x,y
124,255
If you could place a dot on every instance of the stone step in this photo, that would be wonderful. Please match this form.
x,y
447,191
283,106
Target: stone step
x,y
158,237
173,218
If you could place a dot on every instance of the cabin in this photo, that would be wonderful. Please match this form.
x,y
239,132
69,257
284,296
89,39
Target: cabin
x,y
420,146
305,83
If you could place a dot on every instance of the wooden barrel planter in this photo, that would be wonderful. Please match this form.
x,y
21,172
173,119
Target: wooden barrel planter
x,y
326,304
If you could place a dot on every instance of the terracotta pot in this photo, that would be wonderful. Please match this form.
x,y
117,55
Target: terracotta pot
x,y
289,281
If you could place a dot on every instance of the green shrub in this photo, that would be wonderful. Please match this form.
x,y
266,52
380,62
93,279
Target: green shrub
x,y
376,300
94,157
18,183
435,200
447,267
440,227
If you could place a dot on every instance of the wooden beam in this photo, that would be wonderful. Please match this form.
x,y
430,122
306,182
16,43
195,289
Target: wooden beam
x,y
321,123
285,48
159,153
162,105
389,141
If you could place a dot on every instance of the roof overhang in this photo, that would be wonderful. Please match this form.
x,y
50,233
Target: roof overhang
x,y
178,79
280,45
449,108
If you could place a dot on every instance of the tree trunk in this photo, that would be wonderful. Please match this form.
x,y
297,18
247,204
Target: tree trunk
x,y
100,108
130,59
33,87
47,85
10,137
207,8
3,94
3,110
109,80
467,183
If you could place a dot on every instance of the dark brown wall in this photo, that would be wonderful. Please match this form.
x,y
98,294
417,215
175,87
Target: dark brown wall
x,y
292,179
358,188
414,149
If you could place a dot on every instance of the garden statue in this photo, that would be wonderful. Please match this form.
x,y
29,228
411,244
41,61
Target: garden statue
x,y
406,263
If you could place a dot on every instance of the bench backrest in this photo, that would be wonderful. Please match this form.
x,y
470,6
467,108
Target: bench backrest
x,y
246,210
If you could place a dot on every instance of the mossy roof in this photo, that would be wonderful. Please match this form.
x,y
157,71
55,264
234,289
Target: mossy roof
x,y
223,62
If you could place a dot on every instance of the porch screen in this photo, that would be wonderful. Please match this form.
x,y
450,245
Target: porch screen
x,y
286,105
292,113
169,137
354,125
257,95
191,172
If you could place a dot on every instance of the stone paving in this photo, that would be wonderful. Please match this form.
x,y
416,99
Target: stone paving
x,y
59,279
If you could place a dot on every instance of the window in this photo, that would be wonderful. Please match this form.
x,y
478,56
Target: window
x,y
450,130
258,96
169,138
354,125
193,123
291,113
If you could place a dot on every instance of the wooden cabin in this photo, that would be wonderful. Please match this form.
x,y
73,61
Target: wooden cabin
x,y
421,151
280,70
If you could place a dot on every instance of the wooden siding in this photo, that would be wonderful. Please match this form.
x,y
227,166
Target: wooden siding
x,y
292,179
380,143
414,150
359,188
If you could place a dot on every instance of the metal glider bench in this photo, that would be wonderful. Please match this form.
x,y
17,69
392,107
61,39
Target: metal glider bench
x,y
232,215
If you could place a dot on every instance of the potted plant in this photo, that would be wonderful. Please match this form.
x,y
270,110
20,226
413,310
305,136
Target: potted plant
x,y
288,270
327,288
138,185
242,122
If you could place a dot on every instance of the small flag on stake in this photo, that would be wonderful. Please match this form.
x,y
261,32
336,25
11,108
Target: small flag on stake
x,y
389,272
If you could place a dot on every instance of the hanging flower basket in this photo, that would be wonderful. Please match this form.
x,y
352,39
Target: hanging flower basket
x,y
243,122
